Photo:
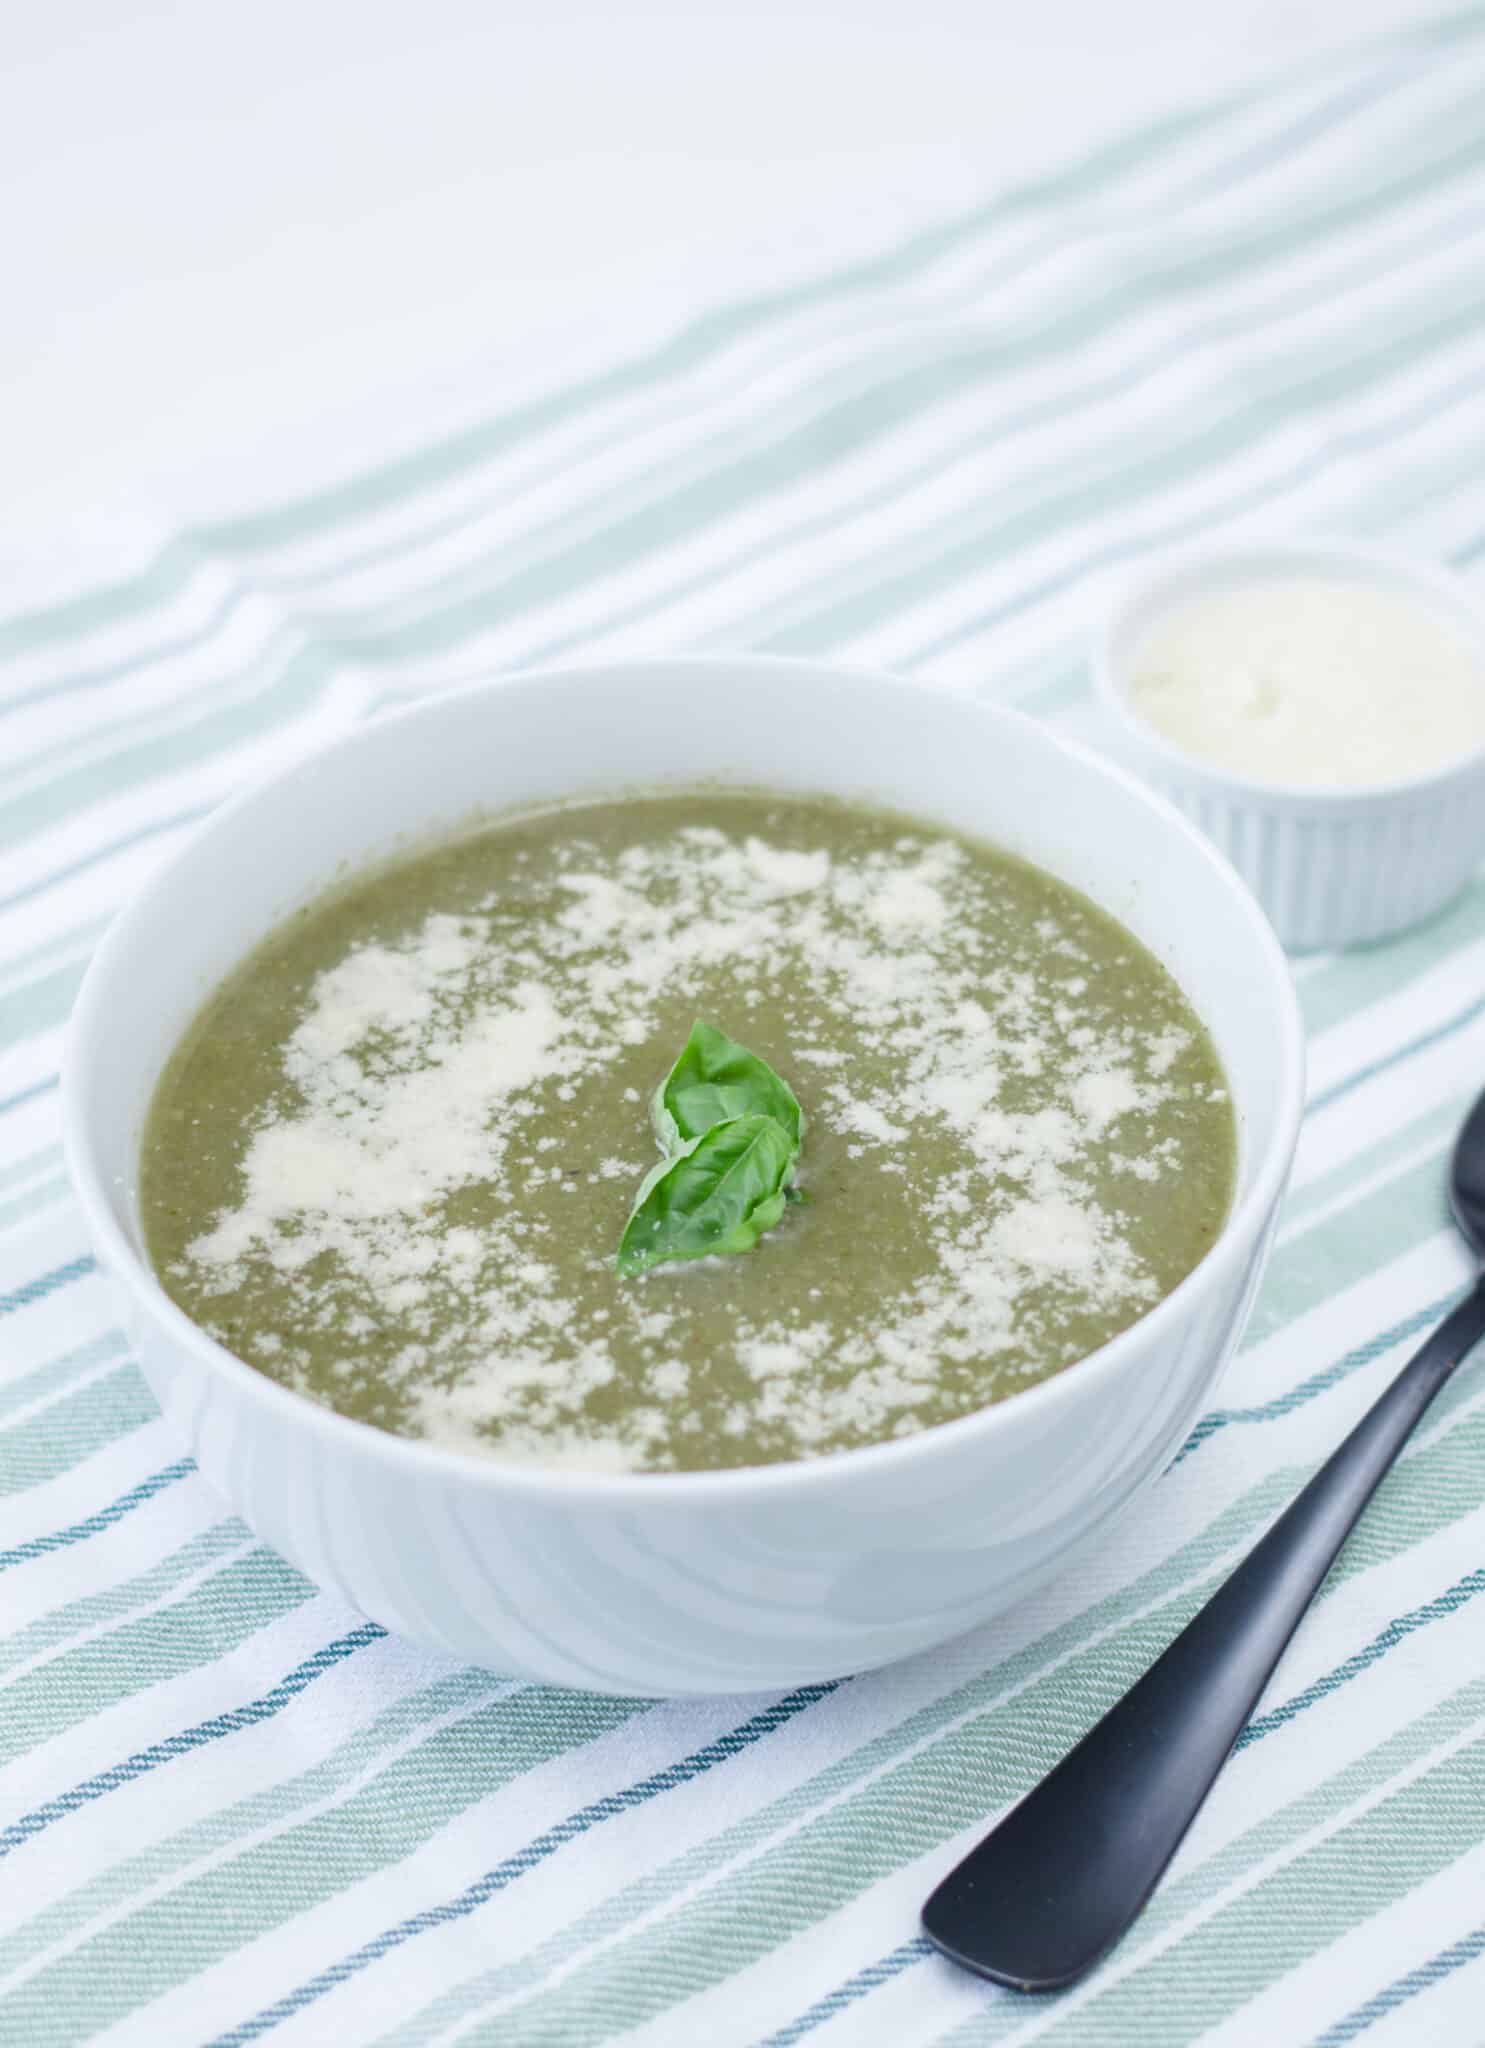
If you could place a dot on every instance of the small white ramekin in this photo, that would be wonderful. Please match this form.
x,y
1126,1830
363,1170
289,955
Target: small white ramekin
x,y
1332,867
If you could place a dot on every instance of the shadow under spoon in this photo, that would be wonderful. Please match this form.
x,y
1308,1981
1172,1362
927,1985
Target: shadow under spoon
x,y
1054,1886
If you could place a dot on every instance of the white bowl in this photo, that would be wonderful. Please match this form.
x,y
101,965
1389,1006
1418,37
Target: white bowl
x,y
1332,867
688,1582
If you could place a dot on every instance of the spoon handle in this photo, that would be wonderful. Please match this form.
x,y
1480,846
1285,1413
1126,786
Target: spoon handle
x,y
1053,1887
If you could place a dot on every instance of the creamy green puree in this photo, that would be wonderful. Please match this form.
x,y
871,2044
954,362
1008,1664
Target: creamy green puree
x,y
392,1160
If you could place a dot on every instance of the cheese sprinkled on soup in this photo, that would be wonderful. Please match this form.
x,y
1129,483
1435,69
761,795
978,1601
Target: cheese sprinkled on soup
x,y
391,1161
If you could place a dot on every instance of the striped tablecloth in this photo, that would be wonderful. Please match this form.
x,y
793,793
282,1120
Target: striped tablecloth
x,y
230,1809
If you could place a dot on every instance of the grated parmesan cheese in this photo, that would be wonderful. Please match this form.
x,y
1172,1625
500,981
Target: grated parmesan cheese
x,y
1312,683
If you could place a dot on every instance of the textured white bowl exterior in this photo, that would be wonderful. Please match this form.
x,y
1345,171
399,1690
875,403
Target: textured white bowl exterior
x,y
1337,867
705,1582
1331,877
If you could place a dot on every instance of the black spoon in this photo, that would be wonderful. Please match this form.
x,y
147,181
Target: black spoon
x,y
1055,1885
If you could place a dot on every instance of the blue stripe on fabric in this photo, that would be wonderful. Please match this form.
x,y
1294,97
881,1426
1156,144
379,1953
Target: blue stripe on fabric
x,y
47,1283
547,1844
145,1760
882,1971
1459,1595
1444,1964
63,1539
866,1980
28,1094
1319,1382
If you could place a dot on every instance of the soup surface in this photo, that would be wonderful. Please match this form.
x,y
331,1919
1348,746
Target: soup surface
x,y
392,1160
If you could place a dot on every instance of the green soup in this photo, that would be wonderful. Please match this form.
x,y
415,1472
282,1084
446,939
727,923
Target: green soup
x,y
392,1160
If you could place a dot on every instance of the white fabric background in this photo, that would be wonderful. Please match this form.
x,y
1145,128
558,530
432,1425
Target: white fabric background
x,y
244,241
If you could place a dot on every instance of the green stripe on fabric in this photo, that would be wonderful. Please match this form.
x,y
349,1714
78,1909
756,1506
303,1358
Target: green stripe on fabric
x,y
1453,24
58,1372
24,1207
1339,1249
32,1166
148,1868
67,1431
1432,1134
194,640
1371,973
99,856
57,945
203,1625
40,1005
170,1939
297,685
275,653
95,1609
111,604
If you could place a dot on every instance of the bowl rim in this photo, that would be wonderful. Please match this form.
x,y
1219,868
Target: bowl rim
x,y
1182,575
1241,1230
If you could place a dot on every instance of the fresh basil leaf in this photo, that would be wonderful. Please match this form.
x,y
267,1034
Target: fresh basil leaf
x,y
717,1195
714,1080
